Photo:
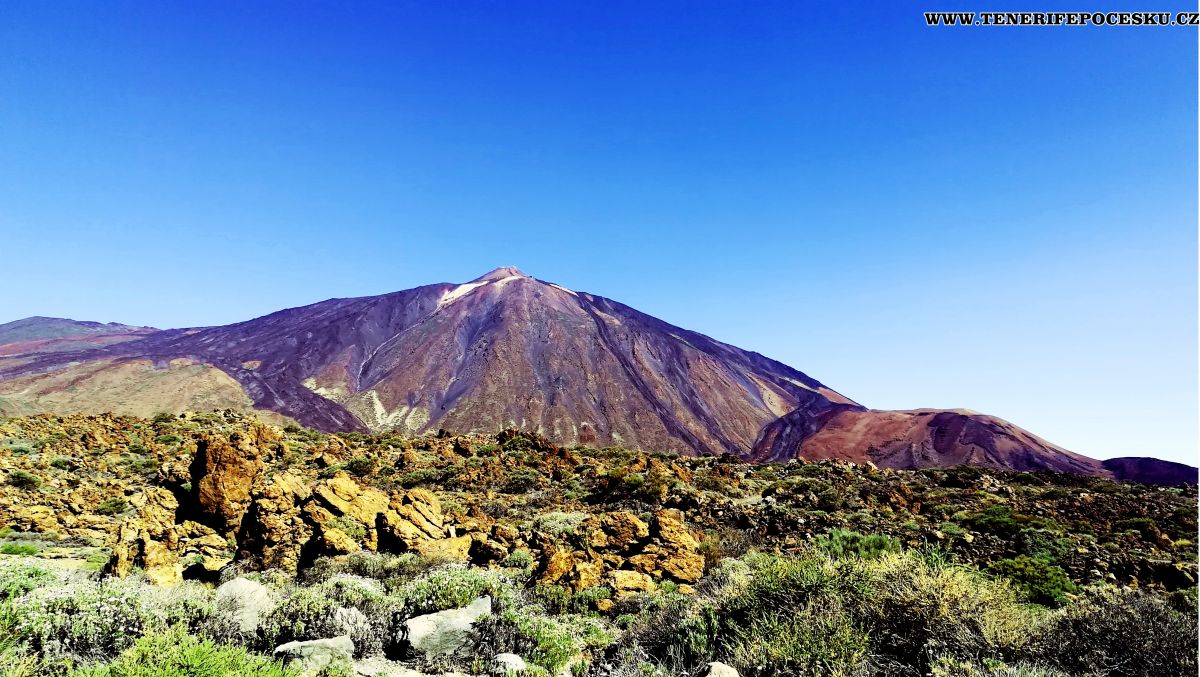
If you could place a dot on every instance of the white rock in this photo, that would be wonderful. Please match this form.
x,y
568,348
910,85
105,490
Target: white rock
x,y
444,631
505,664
245,601
313,656
716,669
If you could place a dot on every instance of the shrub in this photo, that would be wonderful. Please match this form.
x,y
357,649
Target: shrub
x,y
22,479
62,463
559,523
141,464
813,614
92,620
843,543
548,642
163,417
18,579
343,605
360,466
922,606
998,520
83,618
177,653
112,506
392,571
1041,581
454,586
521,481
167,439
1120,633
518,559
559,600
25,549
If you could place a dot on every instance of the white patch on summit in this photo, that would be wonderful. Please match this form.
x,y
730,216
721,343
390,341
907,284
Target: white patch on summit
x,y
459,292
506,280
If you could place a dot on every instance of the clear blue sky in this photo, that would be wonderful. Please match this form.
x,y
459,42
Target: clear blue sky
x,y
1000,219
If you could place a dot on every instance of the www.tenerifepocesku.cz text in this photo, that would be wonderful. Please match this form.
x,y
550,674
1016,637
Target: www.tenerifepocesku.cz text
x,y
1062,18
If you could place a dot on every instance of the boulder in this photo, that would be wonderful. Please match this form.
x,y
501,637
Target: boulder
x,y
245,601
630,582
716,669
314,656
444,632
506,664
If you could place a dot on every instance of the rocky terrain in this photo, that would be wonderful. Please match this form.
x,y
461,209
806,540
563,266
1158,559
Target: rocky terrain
x,y
504,351
540,530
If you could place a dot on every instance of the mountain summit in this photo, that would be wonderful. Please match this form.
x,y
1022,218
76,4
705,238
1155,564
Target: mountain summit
x,y
509,350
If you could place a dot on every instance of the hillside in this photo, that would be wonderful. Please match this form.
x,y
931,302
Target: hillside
x,y
585,535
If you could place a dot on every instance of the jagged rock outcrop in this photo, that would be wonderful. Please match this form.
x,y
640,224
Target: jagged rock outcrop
x,y
224,472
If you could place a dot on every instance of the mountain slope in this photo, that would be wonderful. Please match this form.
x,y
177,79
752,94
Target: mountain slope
x,y
505,350
56,334
1151,471
915,439
502,350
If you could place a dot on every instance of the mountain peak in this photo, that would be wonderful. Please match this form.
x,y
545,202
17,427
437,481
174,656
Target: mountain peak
x,y
500,274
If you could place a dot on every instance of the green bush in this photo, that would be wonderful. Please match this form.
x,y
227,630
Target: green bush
x,y
521,481
1041,581
1119,633
998,520
547,642
518,559
815,614
18,579
360,466
176,654
112,506
843,543
343,605
454,586
22,479
99,619
559,523
25,549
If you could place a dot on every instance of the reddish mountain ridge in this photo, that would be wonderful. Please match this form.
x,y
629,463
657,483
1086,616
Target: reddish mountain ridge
x,y
508,350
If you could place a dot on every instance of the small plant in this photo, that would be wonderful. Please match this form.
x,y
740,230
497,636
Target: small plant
x,y
18,579
361,466
843,542
177,653
454,586
23,479
559,523
112,506
23,549
1041,581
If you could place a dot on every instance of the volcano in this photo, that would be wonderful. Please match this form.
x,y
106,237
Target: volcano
x,y
505,350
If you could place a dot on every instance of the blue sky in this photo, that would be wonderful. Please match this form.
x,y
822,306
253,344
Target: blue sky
x,y
1001,219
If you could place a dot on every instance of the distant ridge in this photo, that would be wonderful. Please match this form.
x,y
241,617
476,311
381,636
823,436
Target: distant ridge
x,y
502,350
